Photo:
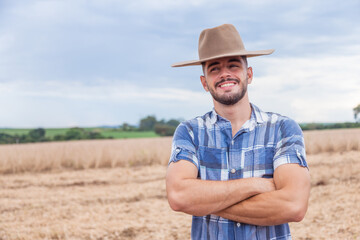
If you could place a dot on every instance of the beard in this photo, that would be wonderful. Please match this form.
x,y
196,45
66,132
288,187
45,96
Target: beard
x,y
230,98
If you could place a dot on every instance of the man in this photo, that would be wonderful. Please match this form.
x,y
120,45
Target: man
x,y
239,171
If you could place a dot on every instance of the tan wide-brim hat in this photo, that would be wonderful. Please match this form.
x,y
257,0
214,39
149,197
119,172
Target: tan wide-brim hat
x,y
221,41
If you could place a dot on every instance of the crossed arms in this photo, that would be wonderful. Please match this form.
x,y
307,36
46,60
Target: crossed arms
x,y
257,201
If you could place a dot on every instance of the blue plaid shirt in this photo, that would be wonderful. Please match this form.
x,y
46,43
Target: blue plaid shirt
x,y
265,141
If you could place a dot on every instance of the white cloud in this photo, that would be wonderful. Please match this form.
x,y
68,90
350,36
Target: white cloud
x,y
101,90
61,104
323,89
45,13
53,52
6,42
161,5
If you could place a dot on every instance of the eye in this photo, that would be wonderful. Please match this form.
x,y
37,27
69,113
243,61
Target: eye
x,y
213,69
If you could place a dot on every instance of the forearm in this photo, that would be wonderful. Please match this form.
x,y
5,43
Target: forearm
x,y
287,204
265,209
202,197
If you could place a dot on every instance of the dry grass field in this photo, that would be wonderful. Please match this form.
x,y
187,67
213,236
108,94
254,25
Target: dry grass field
x,y
115,189
85,154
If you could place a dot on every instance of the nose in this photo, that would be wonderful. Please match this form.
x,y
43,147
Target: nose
x,y
224,73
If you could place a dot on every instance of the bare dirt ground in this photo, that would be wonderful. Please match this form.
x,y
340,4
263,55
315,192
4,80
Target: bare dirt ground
x,y
130,203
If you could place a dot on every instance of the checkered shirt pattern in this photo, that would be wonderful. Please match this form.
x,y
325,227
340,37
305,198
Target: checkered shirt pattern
x,y
266,141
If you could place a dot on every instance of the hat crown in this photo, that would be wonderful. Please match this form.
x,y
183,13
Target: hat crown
x,y
221,40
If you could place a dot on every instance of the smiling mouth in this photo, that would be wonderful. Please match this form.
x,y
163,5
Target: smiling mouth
x,y
227,83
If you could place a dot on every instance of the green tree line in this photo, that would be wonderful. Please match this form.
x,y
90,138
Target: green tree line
x,y
38,135
150,123
322,126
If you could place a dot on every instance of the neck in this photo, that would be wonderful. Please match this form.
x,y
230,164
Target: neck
x,y
237,114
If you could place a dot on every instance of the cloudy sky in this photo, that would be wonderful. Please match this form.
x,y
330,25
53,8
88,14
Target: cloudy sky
x,y
70,63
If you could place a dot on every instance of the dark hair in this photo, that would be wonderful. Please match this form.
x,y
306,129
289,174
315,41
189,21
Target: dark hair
x,y
244,58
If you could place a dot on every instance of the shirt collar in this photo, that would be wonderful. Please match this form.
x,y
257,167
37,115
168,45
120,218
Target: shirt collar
x,y
213,116
257,115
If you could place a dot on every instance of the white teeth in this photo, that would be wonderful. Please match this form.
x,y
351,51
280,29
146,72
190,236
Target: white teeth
x,y
227,84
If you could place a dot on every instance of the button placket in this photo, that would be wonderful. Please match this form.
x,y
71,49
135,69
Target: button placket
x,y
232,166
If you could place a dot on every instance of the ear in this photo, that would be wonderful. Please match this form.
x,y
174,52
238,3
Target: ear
x,y
203,82
249,74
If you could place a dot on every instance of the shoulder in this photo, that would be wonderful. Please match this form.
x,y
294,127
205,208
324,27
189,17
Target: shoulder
x,y
192,126
197,122
286,126
276,121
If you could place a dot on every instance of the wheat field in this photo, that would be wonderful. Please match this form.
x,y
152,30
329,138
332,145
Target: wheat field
x,y
77,155
336,140
88,154
115,189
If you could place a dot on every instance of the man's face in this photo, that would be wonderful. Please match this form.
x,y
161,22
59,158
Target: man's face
x,y
226,79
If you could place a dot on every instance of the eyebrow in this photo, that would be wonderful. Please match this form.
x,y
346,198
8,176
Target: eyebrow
x,y
231,60
212,64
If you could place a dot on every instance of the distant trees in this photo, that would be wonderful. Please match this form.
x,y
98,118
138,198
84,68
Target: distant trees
x,y
38,135
147,123
356,112
6,138
322,126
35,135
78,134
162,127
127,127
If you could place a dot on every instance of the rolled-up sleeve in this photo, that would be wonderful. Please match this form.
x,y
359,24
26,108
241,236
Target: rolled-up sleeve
x,y
290,147
183,147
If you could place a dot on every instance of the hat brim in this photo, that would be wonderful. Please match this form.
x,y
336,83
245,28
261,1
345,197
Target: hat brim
x,y
242,53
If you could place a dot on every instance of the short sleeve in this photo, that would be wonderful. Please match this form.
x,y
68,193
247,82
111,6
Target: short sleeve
x,y
183,147
290,146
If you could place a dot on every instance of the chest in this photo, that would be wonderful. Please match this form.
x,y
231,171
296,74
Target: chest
x,y
247,154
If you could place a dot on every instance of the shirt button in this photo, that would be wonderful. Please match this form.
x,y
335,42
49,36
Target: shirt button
x,y
233,170
238,224
177,150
